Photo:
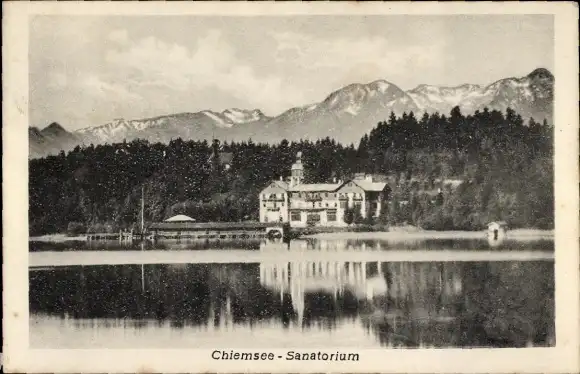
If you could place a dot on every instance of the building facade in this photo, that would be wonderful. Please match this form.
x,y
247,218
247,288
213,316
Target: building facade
x,y
274,202
320,204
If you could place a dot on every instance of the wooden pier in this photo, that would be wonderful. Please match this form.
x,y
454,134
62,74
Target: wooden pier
x,y
121,236
104,236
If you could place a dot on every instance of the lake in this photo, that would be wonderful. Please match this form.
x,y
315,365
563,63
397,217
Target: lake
x,y
306,293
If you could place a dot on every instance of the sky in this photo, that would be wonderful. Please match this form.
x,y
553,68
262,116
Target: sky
x,y
88,70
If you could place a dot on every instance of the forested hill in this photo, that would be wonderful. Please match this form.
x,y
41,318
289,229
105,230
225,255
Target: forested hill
x,y
505,163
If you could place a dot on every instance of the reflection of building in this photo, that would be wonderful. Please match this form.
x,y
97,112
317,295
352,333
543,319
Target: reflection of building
x,y
333,245
332,277
274,245
423,287
320,204
220,314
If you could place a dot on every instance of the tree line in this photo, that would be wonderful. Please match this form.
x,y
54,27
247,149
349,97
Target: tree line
x,y
504,162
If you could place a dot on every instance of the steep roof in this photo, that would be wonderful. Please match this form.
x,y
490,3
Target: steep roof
x,y
280,184
312,187
370,186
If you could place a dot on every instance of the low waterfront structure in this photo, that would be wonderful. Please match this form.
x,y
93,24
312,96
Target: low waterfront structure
x,y
215,230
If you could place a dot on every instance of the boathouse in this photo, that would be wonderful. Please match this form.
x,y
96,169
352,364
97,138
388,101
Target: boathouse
x,y
216,230
497,229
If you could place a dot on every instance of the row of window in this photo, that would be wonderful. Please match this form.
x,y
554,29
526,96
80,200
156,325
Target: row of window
x,y
330,195
343,205
313,217
280,219
275,204
273,196
314,204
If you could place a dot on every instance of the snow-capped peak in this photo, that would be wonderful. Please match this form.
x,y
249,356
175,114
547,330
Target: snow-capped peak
x,y
239,116
431,98
218,120
380,85
355,104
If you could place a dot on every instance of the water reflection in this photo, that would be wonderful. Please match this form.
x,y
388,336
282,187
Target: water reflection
x,y
359,245
442,304
116,245
341,245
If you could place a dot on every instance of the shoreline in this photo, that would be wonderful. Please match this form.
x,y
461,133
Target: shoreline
x,y
394,234
56,238
402,235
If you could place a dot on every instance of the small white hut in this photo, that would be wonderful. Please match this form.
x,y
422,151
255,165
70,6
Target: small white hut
x,y
497,229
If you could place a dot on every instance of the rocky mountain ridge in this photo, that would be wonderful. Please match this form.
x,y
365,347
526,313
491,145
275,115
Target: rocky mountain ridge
x,y
344,115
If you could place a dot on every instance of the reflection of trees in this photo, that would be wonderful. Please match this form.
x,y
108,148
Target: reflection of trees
x,y
193,244
509,303
361,245
184,294
137,245
236,294
420,307
168,292
302,244
402,304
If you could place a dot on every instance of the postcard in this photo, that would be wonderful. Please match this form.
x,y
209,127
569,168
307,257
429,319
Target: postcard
x,y
290,187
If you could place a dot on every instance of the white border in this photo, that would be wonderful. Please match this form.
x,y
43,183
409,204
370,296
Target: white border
x,y
563,358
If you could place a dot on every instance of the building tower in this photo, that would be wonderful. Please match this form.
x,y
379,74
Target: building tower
x,y
297,173
214,157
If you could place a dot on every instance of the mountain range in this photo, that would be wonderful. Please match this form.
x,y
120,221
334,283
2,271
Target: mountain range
x,y
344,115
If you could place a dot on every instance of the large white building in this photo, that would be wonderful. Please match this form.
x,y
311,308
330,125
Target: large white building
x,y
320,204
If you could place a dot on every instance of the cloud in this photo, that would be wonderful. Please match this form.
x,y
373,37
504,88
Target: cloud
x,y
345,54
119,36
100,88
57,80
211,64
